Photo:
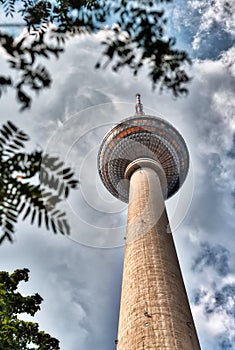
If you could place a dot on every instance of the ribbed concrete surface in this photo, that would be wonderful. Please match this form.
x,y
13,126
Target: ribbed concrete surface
x,y
154,312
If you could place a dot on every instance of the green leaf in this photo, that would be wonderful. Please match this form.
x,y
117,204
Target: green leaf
x,y
33,216
6,236
39,219
61,228
66,192
12,126
15,333
53,225
27,213
21,196
46,221
67,227
7,130
5,134
21,208
64,171
66,177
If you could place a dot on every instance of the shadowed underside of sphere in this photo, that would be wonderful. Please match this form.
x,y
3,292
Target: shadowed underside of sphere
x,y
142,136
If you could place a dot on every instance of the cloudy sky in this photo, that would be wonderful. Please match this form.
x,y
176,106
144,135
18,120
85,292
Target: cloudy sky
x,y
80,277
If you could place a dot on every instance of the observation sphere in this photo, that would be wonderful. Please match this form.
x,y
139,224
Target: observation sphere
x,y
142,136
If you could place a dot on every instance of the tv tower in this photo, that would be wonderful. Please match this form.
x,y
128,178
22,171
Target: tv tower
x,y
143,161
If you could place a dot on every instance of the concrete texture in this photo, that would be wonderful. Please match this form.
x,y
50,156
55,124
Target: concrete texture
x,y
154,312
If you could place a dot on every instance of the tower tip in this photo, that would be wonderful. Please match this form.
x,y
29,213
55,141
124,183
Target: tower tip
x,y
138,106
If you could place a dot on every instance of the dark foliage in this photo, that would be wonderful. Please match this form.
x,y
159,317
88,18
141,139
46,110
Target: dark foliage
x,y
18,192
16,334
137,39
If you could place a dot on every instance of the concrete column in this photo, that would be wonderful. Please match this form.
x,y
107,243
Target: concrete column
x,y
154,311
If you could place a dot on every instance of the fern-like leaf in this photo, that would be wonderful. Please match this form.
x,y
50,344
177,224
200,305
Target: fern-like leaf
x,y
19,196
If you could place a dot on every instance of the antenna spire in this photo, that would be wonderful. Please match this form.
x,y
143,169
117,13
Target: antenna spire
x,y
138,107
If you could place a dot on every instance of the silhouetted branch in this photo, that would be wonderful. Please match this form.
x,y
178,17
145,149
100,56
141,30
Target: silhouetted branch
x,y
138,38
21,196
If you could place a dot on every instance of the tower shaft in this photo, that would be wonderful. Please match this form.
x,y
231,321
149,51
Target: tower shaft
x,y
154,312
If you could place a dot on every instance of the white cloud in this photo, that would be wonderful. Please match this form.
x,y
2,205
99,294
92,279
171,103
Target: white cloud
x,y
219,12
81,285
205,27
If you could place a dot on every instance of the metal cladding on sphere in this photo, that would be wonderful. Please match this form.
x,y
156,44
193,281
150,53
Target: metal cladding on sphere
x,y
142,136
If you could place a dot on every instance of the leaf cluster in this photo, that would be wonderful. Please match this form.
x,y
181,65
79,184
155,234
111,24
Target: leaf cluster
x,y
15,333
31,185
23,59
137,39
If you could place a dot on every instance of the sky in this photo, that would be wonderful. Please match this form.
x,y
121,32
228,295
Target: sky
x,y
79,277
